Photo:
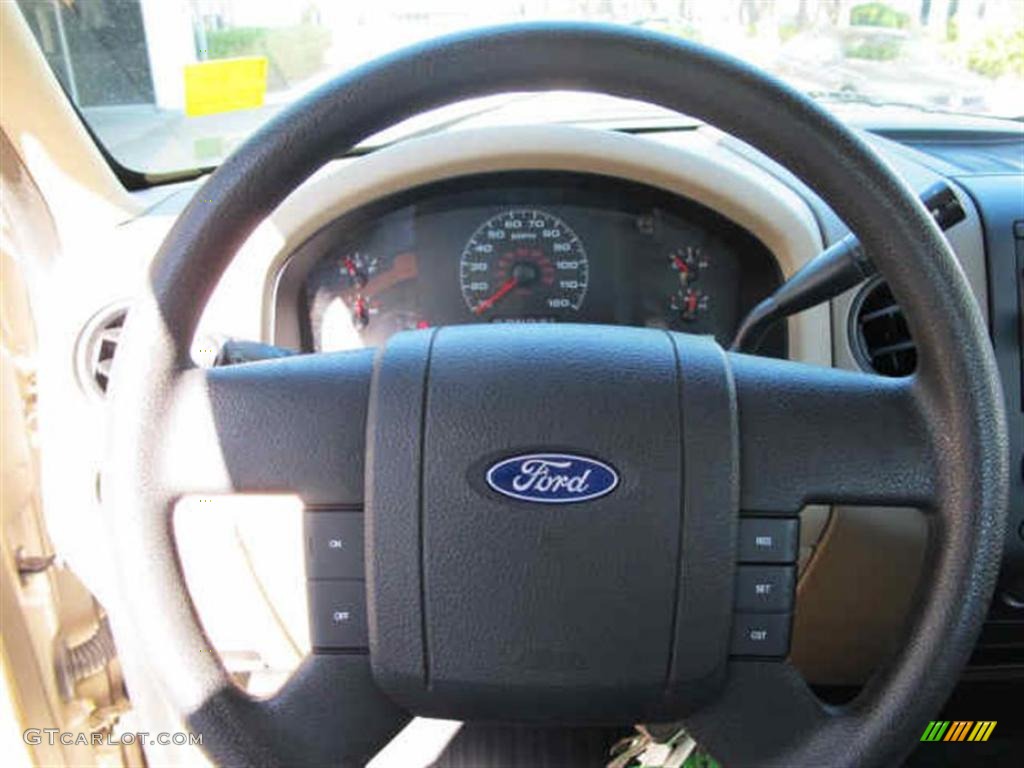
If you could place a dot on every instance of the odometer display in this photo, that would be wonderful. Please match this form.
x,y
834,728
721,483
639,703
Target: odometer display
x,y
524,264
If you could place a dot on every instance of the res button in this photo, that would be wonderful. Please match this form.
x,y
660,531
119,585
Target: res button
x,y
768,540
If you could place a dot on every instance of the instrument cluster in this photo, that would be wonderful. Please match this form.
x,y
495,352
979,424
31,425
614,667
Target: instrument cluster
x,y
525,247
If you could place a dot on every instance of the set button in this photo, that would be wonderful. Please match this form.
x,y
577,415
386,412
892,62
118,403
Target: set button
x,y
765,588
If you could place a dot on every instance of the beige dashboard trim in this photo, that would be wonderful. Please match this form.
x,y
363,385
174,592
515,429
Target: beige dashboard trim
x,y
693,164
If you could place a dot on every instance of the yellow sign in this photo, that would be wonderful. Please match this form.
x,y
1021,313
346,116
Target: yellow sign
x,y
225,85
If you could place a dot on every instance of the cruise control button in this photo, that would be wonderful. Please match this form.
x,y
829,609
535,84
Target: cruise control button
x,y
334,545
338,614
765,588
760,634
768,540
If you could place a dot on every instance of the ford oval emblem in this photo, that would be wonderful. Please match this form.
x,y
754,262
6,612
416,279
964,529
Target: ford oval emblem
x,y
552,478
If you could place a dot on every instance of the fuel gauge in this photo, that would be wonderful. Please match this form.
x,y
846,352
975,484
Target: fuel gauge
x,y
688,304
361,312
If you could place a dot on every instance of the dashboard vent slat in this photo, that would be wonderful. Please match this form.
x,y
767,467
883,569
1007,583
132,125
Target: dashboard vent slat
x,y
880,336
96,348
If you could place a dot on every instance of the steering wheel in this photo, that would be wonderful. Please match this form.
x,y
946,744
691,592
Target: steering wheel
x,y
617,609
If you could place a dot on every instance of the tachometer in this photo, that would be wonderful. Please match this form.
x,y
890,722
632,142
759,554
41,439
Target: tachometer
x,y
524,264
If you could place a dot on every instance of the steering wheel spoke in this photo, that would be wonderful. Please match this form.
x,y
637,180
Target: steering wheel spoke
x,y
765,713
821,435
330,712
293,424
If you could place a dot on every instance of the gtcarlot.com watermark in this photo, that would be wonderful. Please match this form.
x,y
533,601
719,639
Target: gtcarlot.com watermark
x,y
54,736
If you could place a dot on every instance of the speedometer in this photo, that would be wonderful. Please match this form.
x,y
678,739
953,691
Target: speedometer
x,y
524,264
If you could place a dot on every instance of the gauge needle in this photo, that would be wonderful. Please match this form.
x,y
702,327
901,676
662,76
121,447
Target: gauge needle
x,y
493,299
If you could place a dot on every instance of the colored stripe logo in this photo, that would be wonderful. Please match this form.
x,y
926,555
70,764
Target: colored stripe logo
x,y
958,730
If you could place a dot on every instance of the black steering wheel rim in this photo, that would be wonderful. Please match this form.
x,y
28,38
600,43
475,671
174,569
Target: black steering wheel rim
x,y
956,388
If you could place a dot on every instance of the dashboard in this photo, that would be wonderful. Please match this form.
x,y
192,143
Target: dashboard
x,y
602,184
524,247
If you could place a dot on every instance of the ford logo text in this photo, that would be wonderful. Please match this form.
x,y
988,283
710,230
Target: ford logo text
x,y
552,478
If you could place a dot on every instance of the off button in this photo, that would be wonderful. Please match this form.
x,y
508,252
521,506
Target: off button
x,y
337,612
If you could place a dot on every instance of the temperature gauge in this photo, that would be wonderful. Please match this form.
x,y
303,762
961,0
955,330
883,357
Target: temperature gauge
x,y
357,268
688,262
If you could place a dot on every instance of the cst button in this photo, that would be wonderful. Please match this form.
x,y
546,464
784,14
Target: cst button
x,y
757,634
768,540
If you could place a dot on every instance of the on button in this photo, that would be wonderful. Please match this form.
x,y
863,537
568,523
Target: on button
x,y
334,545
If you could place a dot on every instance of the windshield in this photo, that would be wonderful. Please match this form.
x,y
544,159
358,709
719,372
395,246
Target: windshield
x,y
173,85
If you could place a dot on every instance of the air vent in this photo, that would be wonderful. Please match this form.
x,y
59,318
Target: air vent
x,y
96,348
880,337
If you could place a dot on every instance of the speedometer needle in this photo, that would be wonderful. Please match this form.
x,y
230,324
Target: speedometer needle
x,y
493,299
